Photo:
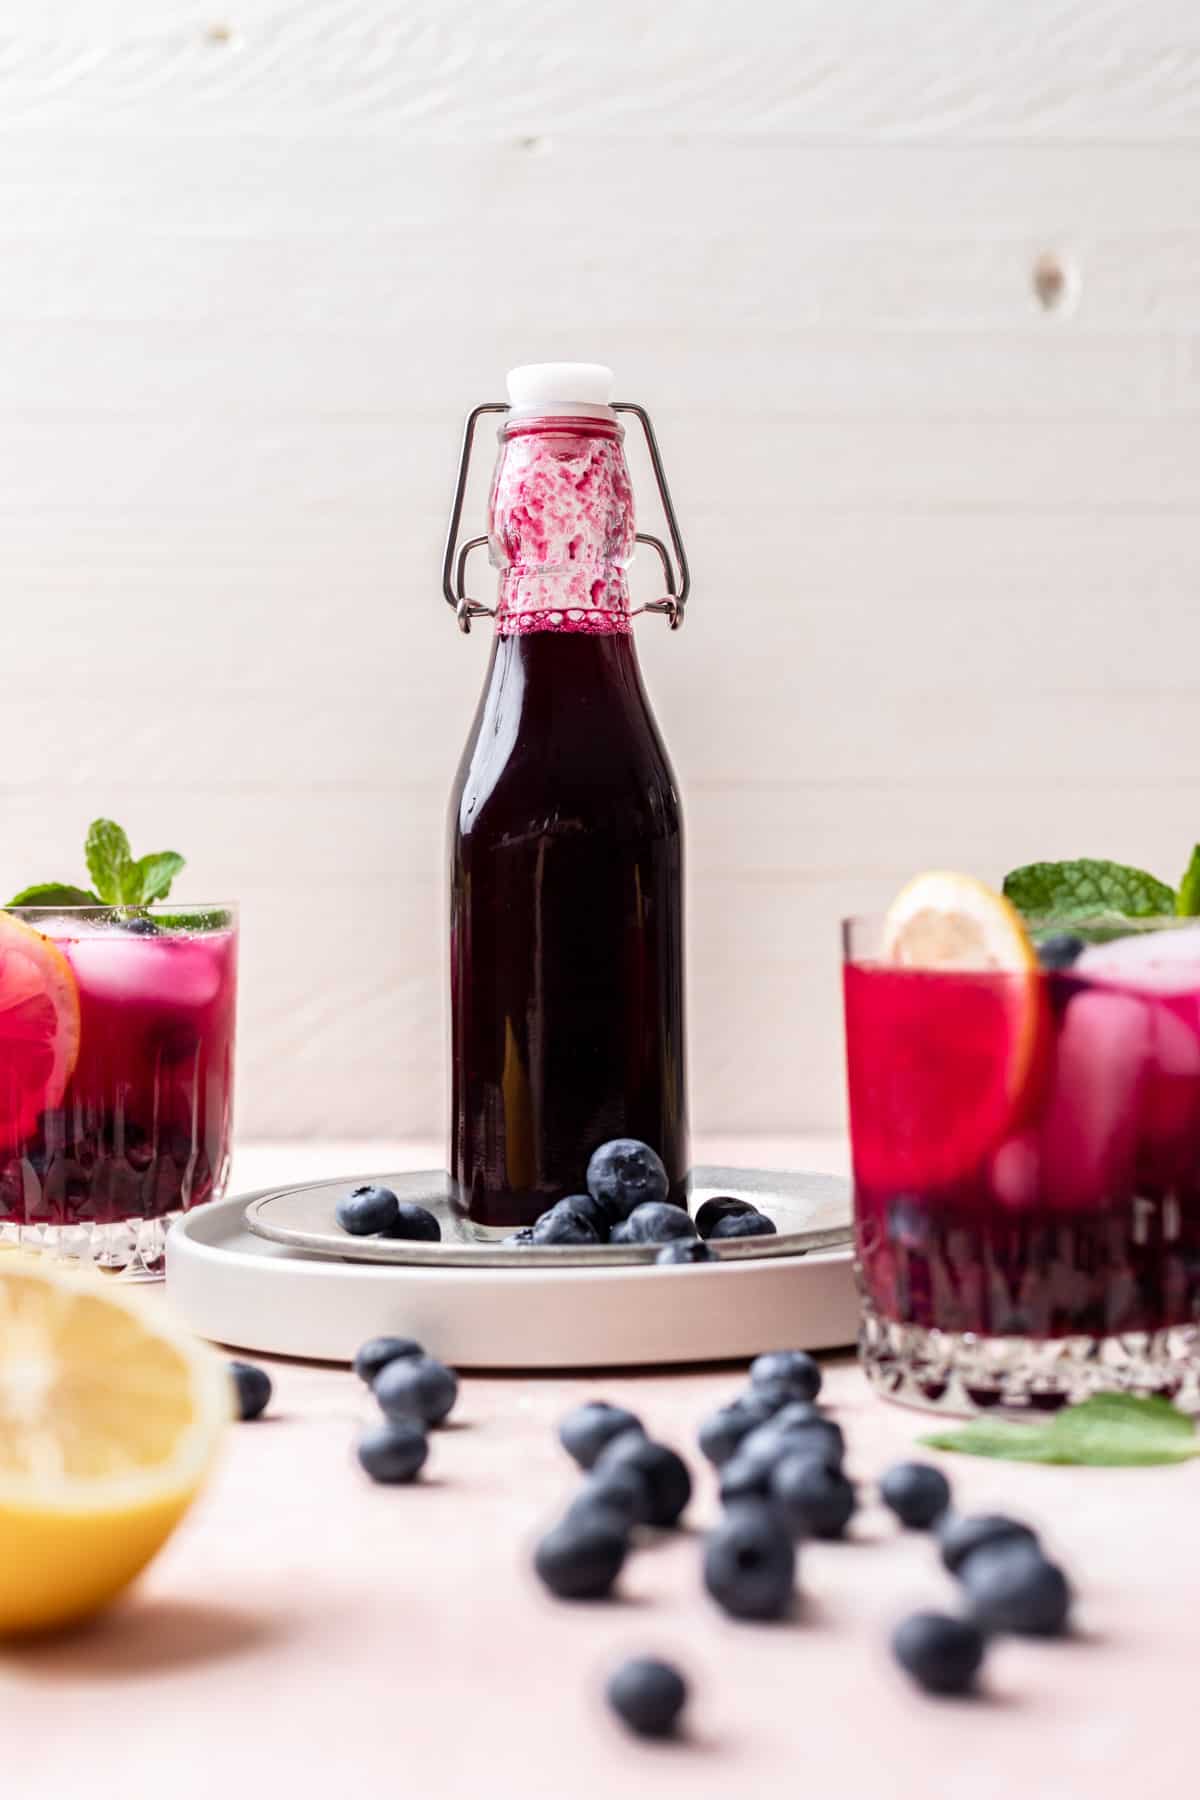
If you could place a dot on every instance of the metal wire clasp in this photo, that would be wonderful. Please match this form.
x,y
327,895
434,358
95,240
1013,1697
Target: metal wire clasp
x,y
676,576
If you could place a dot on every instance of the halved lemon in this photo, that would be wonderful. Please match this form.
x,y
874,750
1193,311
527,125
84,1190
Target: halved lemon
x,y
944,1034
110,1417
39,1026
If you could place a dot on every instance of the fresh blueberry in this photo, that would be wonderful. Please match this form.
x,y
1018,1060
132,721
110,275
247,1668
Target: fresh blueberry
x,y
621,1494
648,1696
588,1430
794,1369
377,1352
750,1563
416,1387
821,1439
414,1222
722,1432
581,1558
625,1173
393,1451
721,1206
562,1224
742,1225
916,1492
1013,1587
960,1538
1060,950
668,1484
812,1499
592,1211
943,1655
685,1250
139,926
654,1222
523,1235
744,1477
252,1387
367,1209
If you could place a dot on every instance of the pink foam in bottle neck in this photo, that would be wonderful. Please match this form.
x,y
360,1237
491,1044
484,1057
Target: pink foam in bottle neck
x,y
560,526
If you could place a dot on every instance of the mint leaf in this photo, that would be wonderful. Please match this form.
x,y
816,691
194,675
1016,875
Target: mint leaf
x,y
152,875
55,893
1059,893
1187,904
1108,1431
110,863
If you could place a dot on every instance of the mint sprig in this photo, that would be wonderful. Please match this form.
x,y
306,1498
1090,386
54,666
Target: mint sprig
x,y
1187,901
1109,1431
1060,893
117,879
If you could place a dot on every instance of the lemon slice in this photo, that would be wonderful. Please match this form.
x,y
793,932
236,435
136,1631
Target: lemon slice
x,y
947,921
39,1025
944,1035
110,1417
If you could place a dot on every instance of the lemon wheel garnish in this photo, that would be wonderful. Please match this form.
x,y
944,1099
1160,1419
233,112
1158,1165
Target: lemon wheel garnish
x,y
39,1025
945,921
110,1417
945,1031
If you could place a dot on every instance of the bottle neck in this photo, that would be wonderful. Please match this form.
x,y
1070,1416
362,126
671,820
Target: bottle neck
x,y
561,526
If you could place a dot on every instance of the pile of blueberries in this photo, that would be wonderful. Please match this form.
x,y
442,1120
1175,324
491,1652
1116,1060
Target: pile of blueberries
x,y
780,1461
626,1203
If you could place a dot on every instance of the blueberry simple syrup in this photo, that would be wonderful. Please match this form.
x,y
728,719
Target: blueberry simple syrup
x,y
566,850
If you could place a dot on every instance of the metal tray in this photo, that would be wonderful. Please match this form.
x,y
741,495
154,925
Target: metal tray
x,y
810,1212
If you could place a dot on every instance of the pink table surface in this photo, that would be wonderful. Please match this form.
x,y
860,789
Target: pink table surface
x,y
306,1633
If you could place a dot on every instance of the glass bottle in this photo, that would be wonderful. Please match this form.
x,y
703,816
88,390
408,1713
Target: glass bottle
x,y
565,829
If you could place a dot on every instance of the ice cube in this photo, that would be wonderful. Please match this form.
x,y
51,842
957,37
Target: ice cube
x,y
1089,1132
113,965
1147,962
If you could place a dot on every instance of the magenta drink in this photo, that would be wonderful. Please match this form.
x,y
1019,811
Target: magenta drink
x,y
1027,1170
122,1115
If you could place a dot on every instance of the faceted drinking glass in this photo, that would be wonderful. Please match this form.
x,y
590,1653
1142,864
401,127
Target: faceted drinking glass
x,y
131,1124
1026,1155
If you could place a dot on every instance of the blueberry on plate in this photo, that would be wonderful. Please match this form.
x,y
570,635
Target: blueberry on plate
x,y
522,1235
414,1222
592,1211
685,1250
564,1224
394,1451
668,1484
654,1222
416,1387
812,1499
916,1492
792,1369
625,1173
581,1558
722,1433
742,1225
377,1352
750,1563
960,1537
620,1494
1012,1586
1060,950
943,1655
647,1695
588,1430
252,1389
367,1209
721,1206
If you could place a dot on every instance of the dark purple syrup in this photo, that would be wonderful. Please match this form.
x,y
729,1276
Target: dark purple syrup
x,y
566,927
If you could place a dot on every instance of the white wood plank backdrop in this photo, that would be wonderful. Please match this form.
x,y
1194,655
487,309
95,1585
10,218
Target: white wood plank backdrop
x,y
258,257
